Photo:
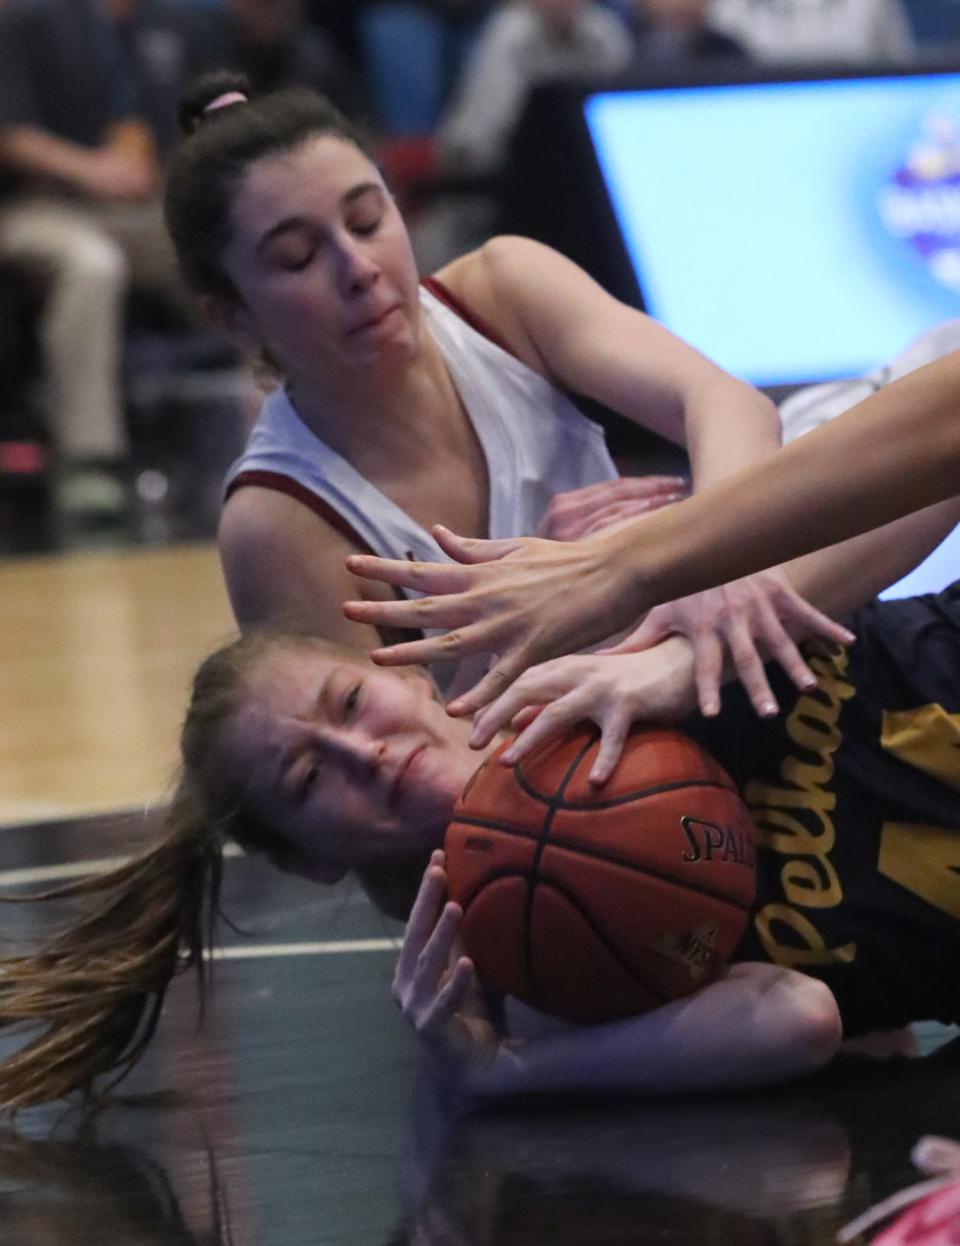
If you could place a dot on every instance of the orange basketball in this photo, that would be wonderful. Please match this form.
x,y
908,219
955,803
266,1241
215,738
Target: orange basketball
x,y
596,903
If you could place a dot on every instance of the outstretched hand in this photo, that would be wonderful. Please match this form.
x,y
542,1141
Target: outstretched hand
x,y
753,620
521,599
436,989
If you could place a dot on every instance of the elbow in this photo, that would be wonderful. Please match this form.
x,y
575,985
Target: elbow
x,y
762,410
753,416
768,415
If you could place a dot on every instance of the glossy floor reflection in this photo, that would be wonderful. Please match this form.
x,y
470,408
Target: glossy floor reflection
x,y
299,1114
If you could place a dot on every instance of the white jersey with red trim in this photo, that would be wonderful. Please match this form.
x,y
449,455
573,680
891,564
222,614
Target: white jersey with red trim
x,y
535,442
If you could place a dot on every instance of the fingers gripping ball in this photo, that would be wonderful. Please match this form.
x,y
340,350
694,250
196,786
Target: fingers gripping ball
x,y
593,904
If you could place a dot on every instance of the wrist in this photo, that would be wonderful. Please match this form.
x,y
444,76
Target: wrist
x,y
632,557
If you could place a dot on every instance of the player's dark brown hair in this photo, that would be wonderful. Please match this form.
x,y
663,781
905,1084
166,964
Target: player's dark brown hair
x,y
217,148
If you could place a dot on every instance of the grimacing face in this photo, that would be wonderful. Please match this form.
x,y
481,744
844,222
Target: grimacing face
x,y
322,264
349,764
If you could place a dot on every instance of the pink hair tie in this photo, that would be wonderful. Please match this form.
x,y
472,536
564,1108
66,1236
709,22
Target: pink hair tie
x,y
228,97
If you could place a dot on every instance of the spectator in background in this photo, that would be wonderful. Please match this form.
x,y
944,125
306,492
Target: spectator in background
x,y
671,32
413,53
79,174
271,44
526,42
160,48
818,30
337,19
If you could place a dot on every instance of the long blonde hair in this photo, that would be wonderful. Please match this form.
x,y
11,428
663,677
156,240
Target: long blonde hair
x,y
95,989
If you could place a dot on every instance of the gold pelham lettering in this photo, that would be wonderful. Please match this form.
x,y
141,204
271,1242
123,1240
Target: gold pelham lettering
x,y
815,951
805,837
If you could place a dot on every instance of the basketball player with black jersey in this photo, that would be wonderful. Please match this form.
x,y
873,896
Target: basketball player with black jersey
x,y
853,790
854,793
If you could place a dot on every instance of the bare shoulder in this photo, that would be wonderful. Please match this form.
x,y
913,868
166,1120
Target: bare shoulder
x,y
256,521
284,563
499,269
497,282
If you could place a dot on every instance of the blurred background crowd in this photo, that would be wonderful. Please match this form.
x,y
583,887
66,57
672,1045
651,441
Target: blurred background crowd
x,y
117,408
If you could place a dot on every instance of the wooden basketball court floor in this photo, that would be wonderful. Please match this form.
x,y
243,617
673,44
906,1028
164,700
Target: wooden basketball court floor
x,y
299,1113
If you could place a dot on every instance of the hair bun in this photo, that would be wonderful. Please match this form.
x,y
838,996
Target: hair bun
x,y
193,109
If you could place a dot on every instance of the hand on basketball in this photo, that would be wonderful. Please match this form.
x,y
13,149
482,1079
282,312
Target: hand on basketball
x,y
436,989
521,599
612,691
757,619
580,512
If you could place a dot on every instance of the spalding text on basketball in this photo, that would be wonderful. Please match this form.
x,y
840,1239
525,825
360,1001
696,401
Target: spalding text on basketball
x,y
710,842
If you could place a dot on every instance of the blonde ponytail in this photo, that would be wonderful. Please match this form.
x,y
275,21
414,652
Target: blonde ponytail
x,y
96,988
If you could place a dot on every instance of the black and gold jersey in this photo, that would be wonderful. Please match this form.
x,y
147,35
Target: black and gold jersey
x,y
855,793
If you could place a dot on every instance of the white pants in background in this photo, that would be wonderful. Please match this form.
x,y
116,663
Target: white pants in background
x,y
85,276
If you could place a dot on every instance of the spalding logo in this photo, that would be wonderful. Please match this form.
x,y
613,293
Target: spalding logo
x,y
694,950
920,204
707,841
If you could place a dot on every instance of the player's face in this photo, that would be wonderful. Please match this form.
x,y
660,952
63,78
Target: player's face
x,y
322,263
349,764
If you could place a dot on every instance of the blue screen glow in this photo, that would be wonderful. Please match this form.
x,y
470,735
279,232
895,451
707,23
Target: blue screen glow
x,y
791,231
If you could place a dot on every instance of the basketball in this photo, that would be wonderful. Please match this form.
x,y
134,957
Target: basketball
x,y
597,903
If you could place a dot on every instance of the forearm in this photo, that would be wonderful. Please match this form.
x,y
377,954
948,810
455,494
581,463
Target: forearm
x,y
124,165
727,426
759,1025
133,139
38,153
588,343
893,454
844,576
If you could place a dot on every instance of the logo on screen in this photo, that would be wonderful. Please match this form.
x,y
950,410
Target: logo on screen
x,y
920,203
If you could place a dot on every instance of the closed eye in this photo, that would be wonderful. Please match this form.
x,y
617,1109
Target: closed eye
x,y
310,776
295,264
351,700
